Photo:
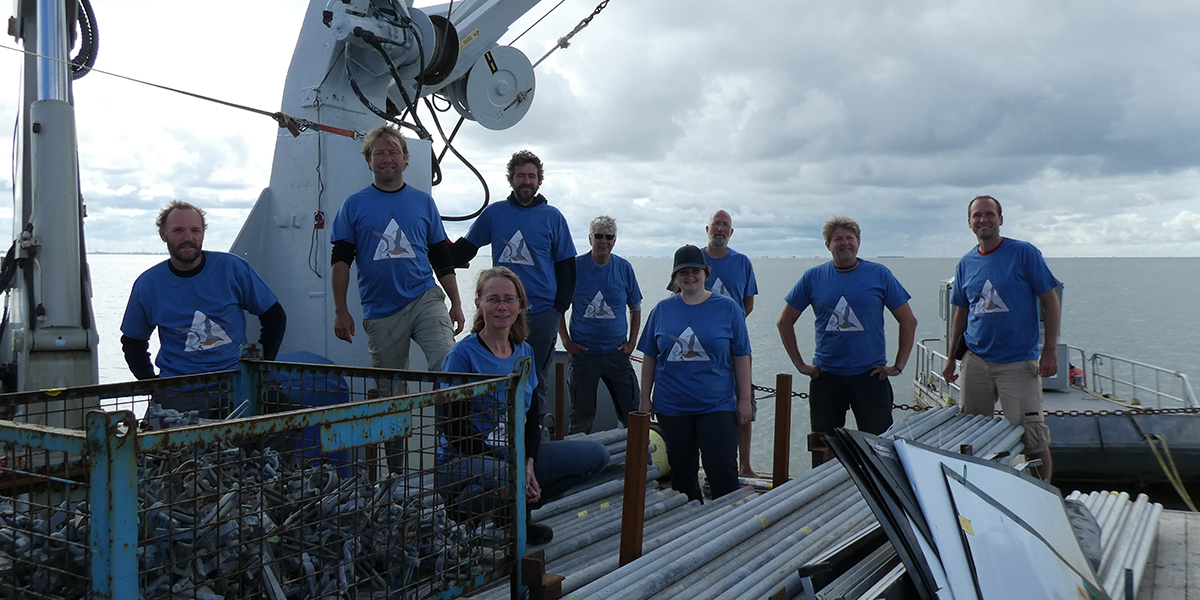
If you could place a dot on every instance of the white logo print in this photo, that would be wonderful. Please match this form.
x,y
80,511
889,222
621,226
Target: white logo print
x,y
989,300
598,308
205,334
842,318
515,251
393,243
687,348
718,287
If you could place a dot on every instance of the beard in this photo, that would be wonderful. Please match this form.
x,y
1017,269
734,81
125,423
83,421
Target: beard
x,y
718,242
185,253
526,193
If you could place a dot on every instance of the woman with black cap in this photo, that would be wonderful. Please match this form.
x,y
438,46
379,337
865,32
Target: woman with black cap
x,y
696,377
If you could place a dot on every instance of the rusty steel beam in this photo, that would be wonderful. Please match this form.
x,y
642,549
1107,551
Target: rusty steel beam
x,y
633,515
783,429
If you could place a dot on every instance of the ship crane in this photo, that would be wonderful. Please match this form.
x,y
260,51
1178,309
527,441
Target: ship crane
x,y
357,64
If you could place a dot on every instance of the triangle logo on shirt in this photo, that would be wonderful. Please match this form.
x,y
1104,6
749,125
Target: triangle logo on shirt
x,y
205,334
516,251
393,243
989,300
687,348
598,308
842,318
718,287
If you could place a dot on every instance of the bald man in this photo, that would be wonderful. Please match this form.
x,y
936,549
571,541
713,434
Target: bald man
x,y
732,275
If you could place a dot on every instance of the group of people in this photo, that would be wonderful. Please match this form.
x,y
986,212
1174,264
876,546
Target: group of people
x,y
696,366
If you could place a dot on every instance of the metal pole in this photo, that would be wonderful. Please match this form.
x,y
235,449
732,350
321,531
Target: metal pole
x,y
53,77
783,429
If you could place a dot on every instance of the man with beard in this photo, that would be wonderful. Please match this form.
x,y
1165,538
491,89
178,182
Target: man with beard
x,y
196,301
732,275
530,237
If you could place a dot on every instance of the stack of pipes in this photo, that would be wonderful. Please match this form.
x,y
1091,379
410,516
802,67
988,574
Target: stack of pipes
x,y
743,545
1127,531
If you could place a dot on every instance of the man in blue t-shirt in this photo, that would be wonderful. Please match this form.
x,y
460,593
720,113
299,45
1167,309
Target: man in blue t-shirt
x,y
195,300
997,287
396,234
849,370
599,341
530,237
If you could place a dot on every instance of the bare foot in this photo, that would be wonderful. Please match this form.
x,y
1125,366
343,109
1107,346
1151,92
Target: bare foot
x,y
748,472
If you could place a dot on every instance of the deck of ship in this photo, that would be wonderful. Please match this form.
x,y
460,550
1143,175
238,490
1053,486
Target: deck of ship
x,y
1173,570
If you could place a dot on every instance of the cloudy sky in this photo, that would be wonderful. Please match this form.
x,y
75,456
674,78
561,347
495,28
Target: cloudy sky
x,y
1080,116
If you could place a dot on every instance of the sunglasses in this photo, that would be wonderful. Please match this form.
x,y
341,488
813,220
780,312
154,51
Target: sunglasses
x,y
604,236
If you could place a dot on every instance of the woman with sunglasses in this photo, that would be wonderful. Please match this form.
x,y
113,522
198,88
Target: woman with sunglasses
x,y
473,461
696,377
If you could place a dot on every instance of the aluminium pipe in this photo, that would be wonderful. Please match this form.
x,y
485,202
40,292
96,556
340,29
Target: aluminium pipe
x,y
1002,443
603,437
600,530
585,496
952,440
777,573
1114,568
791,542
764,547
915,428
1142,555
716,510
653,536
708,543
653,560
1114,553
1110,508
940,435
596,516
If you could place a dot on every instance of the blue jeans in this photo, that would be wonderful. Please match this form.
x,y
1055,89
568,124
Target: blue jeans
x,y
476,484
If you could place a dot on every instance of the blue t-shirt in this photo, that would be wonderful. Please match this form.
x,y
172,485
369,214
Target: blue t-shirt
x,y
602,292
693,347
731,275
848,314
1000,291
391,233
469,355
199,318
528,240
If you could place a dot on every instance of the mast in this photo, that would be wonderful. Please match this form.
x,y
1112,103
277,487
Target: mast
x,y
49,337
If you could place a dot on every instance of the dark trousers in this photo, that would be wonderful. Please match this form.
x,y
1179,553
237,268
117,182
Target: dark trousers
x,y
711,436
829,396
587,371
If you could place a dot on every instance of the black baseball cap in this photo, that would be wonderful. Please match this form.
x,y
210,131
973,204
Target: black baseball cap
x,y
688,257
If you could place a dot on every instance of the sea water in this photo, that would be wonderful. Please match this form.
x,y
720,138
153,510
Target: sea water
x,y
1137,308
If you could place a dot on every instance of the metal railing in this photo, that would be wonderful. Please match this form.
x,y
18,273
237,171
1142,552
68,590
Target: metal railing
x,y
929,387
324,490
1112,377
1135,382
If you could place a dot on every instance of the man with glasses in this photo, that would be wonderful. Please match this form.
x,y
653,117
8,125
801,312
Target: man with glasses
x,y
732,275
599,341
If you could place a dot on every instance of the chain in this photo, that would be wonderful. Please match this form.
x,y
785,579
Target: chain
x,y
760,388
565,40
1121,413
